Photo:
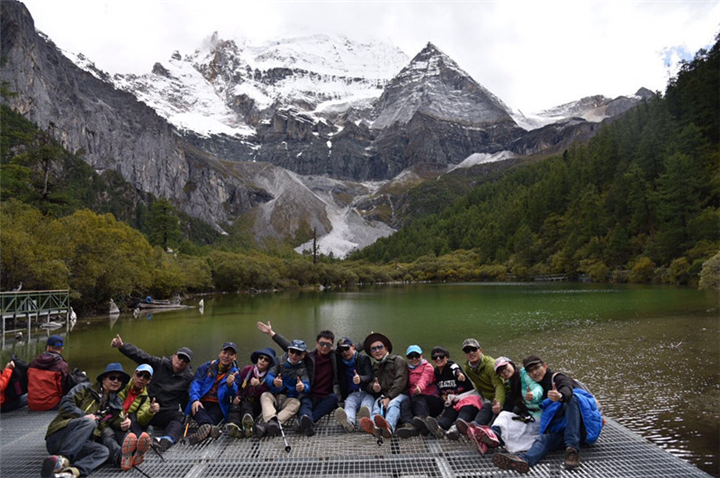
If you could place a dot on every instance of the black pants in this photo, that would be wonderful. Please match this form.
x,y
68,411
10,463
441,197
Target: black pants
x,y
450,415
237,411
171,421
113,438
420,406
211,414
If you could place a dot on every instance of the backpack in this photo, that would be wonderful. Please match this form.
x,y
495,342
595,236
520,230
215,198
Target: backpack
x,y
18,384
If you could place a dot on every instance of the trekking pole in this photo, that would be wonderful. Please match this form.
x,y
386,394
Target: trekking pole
x,y
282,432
380,440
153,448
141,472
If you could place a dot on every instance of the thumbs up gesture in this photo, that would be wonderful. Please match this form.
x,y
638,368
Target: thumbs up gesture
x,y
376,386
356,378
277,381
497,407
254,382
554,395
231,379
299,386
154,406
117,342
528,394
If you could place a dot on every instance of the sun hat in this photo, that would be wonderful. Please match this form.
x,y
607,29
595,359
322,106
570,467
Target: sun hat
x,y
114,367
268,351
374,337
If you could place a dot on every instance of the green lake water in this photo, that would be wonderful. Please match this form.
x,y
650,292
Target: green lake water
x,y
650,354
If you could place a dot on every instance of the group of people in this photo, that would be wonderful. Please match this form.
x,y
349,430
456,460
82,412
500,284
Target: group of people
x,y
529,410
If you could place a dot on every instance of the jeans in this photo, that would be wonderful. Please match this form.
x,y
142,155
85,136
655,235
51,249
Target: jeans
x,y
392,414
548,442
16,404
212,414
75,442
317,407
355,401
485,415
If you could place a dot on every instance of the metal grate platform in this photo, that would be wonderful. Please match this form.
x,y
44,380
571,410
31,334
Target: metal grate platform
x,y
333,452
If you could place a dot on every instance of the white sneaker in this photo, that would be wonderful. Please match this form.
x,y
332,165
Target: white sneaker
x,y
341,418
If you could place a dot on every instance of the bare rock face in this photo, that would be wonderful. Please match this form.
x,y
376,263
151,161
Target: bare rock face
x,y
109,127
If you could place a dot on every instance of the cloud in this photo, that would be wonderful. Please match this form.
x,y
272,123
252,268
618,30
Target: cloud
x,y
531,54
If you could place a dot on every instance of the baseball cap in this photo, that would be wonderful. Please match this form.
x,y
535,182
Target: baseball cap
x,y
470,343
55,341
298,345
413,348
500,362
230,345
185,352
143,367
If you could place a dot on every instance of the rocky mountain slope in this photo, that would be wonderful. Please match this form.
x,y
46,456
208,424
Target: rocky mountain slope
x,y
287,134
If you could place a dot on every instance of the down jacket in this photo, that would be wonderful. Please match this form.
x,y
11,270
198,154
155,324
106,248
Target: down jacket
x,y
205,378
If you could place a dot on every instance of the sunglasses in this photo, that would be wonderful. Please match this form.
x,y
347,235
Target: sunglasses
x,y
468,350
325,345
184,360
295,352
143,375
343,349
115,378
376,348
438,357
263,358
413,356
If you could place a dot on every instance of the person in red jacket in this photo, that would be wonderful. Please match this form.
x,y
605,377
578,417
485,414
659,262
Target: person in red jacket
x,y
5,380
48,376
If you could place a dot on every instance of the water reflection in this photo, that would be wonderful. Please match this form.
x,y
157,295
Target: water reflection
x,y
650,354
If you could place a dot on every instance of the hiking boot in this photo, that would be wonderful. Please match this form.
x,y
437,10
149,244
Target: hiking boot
x,y
462,426
488,436
215,432
434,427
129,445
368,427
143,445
452,433
162,444
201,434
247,425
233,430
306,426
384,426
69,472
419,423
364,412
53,464
508,461
407,430
273,427
259,430
572,458
341,418
474,434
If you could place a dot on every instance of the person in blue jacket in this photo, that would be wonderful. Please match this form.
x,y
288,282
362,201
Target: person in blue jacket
x,y
211,393
558,389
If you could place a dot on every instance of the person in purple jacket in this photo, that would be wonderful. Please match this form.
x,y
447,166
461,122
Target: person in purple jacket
x,y
251,385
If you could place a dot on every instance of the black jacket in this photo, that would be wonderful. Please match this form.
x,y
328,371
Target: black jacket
x,y
363,367
168,388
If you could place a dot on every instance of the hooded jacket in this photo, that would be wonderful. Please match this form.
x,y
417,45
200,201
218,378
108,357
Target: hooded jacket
x,y
140,406
47,381
85,399
205,378
392,374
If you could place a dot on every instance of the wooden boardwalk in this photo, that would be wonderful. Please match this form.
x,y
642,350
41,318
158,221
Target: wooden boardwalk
x,y
333,452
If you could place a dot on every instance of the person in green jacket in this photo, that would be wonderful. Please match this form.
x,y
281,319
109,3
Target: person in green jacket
x,y
84,412
480,369
139,408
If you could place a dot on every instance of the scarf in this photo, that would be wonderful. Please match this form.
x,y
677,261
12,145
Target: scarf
x,y
382,360
410,366
351,362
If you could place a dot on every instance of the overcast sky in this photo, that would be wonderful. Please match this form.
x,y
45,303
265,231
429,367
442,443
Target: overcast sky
x,y
531,54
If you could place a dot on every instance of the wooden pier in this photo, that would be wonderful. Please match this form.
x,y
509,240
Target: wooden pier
x,y
38,306
332,452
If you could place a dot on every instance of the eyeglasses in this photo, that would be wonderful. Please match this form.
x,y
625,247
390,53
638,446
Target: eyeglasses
x,y
413,356
325,345
469,350
376,348
143,375
295,352
115,378
532,368
263,358
438,357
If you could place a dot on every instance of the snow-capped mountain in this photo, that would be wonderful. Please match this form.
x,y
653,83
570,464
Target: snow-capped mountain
x,y
228,87
591,108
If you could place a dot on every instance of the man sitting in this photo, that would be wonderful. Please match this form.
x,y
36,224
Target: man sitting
x,y
389,386
288,381
48,376
169,387
83,414
355,374
211,393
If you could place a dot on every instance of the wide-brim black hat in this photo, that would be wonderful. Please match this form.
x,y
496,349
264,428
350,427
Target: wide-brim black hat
x,y
269,352
374,337
115,367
